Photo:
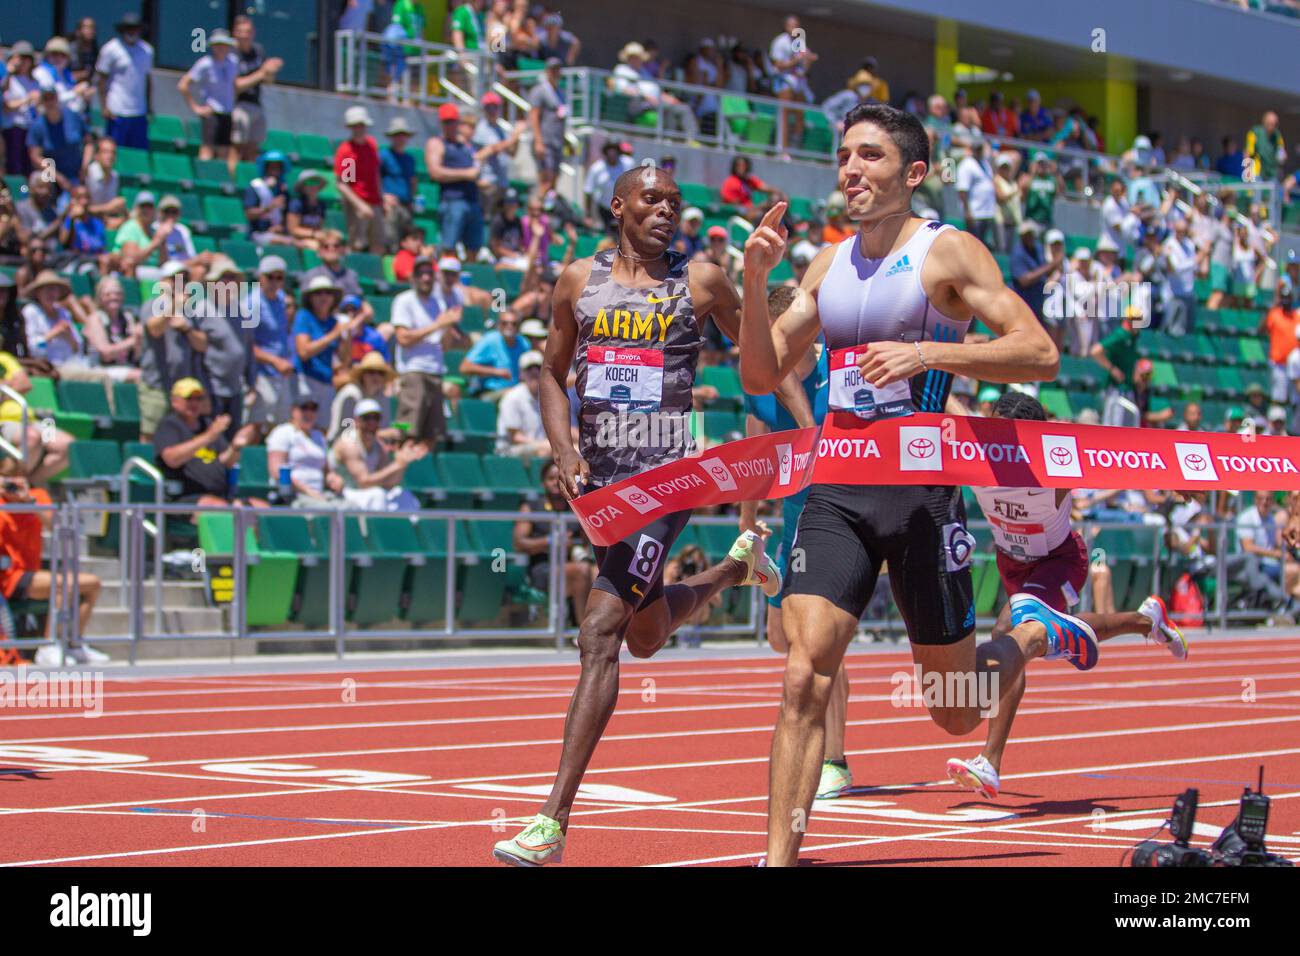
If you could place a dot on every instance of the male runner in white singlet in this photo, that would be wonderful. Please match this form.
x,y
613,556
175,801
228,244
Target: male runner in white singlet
x,y
894,302
1041,558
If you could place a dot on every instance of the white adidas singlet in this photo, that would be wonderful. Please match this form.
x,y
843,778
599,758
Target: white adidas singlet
x,y
1027,523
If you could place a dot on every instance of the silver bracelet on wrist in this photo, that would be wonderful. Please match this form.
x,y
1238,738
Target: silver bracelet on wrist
x,y
920,357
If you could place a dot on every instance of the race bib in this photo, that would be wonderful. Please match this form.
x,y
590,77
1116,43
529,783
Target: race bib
x,y
629,379
1022,539
850,392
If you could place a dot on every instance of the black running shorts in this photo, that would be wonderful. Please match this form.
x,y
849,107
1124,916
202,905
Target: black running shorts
x,y
633,569
847,531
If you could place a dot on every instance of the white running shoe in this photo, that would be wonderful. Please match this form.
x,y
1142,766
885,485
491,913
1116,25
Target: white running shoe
x,y
49,655
748,550
87,655
1163,630
977,775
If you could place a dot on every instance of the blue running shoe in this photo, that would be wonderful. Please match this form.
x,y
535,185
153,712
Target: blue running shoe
x,y
1067,636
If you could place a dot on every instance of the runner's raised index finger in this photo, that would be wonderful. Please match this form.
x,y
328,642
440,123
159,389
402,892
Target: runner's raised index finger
x,y
772,217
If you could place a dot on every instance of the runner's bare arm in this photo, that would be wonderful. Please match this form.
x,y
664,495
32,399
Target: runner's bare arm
x,y
962,279
769,350
714,290
561,345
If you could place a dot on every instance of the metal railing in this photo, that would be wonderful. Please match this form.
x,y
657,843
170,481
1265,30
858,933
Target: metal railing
x,y
431,74
16,451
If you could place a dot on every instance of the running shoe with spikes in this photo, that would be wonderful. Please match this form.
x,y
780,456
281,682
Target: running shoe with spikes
x,y
761,569
539,843
836,781
1067,636
1163,630
977,774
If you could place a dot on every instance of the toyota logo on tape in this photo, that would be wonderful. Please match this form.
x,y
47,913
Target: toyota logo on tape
x,y
1195,462
638,498
921,447
1061,456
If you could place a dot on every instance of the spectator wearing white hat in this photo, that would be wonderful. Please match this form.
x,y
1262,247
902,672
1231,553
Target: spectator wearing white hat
x,y
173,344
1032,267
369,378
122,72
645,94
1277,421
322,340
212,78
1084,320
357,173
690,241
598,186
229,368
1010,209
519,420
55,73
21,93
426,320
369,475
276,384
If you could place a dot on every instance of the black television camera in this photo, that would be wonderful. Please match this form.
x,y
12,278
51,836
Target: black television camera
x,y
1240,844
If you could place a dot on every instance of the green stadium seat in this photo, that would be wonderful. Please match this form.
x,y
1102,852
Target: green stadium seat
x,y
91,399
370,269
254,478
375,595
283,140
272,577
126,407
475,427
93,463
1057,403
132,165
508,478
212,177
224,215
172,172
462,471
281,531
167,133
315,151
245,254
726,379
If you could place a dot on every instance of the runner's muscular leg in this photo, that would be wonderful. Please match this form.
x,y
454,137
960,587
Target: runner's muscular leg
x,y
818,633
838,705
594,699
654,623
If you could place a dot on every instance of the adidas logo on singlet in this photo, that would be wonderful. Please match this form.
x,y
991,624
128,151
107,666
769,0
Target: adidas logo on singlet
x,y
902,265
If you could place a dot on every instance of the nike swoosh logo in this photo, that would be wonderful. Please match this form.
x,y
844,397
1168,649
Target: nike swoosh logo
x,y
653,301
637,591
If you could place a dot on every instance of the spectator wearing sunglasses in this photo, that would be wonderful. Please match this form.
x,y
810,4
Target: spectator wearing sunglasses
x,y
300,446
276,383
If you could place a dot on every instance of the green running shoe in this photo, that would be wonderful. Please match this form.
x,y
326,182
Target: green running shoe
x,y
836,781
539,843
748,550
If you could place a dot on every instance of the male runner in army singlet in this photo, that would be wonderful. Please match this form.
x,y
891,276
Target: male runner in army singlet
x,y
633,315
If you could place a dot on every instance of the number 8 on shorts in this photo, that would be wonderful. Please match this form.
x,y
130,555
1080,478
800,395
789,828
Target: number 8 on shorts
x,y
645,560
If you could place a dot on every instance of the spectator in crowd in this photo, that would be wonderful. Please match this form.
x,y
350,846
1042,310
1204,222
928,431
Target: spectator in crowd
x,y
13,331
704,68
412,246
506,237
468,30
557,42
536,334
266,201
975,187
299,445
213,78
357,174
114,334
533,538
600,179
84,238
51,331
407,23
355,14
305,220
1116,221
791,61
739,187
21,95
1232,161
46,449
1221,281
857,89
451,162
276,384
371,475
322,343
519,421
1258,561
689,241
1277,424
1153,412
495,357
102,180
397,178
997,119
1031,270
229,367
1233,420
1265,148
535,298
256,70
644,94
1040,187
371,378
1191,417
1117,354
1280,323
192,449
24,579
145,244
1036,121
332,266
365,337
547,121
1256,408
493,149
173,343
1152,270
1246,267
1010,208
55,73
84,50
539,233
11,228
1182,260
1083,312
426,319
122,71
41,214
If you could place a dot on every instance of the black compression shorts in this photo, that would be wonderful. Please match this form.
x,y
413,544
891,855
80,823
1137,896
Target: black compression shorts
x,y
633,569
847,531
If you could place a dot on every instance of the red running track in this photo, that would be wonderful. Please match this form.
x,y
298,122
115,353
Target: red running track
x,y
430,767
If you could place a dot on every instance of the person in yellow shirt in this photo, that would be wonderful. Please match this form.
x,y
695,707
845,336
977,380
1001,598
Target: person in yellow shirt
x,y
47,447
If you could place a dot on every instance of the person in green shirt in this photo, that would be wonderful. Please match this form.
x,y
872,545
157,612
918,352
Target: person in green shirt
x,y
1039,187
1265,148
1117,353
467,26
